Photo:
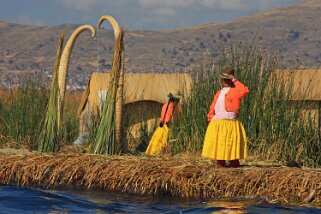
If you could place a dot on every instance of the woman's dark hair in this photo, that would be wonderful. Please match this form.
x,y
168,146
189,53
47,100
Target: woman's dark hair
x,y
229,71
228,82
173,99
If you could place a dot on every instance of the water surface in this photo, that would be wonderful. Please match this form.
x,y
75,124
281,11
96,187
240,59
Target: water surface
x,y
31,200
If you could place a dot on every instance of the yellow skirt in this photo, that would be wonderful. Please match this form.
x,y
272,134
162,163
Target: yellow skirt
x,y
225,140
158,141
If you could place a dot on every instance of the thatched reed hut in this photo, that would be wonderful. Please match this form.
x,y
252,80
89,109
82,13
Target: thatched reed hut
x,y
144,95
305,89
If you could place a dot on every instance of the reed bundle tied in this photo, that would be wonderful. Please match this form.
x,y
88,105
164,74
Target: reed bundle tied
x,y
105,140
187,177
64,64
49,129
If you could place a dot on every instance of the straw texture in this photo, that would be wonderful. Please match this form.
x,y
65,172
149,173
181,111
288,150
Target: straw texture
x,y
63,67
304,84
181,176
138,87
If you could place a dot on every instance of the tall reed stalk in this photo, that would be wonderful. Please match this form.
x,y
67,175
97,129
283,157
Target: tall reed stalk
x,y
105,141
49,131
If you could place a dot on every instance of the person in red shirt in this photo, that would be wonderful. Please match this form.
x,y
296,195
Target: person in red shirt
x,y
170,108
160,136
225,138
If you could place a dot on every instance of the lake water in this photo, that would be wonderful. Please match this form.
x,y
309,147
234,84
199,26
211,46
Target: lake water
x,y
31,200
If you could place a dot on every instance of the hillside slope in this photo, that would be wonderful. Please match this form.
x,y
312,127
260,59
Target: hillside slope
x,y
292,32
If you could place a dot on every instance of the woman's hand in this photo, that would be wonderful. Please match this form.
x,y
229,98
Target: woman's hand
x,y
232,77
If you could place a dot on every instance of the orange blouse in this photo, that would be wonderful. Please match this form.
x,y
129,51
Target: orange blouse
x,y
232,99
168,117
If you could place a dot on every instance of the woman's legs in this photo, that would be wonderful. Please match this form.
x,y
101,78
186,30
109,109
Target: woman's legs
x,y
220,163
235,163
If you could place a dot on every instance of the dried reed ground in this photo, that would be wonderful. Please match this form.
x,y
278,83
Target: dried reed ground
x,y
178,176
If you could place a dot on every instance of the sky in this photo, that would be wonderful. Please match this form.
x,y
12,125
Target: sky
x,y
133,14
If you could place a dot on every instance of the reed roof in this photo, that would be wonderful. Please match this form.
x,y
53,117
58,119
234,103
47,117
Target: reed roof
x,y
304,84
139,86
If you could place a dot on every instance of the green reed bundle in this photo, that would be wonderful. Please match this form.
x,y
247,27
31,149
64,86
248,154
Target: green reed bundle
x,y
49,134
105,140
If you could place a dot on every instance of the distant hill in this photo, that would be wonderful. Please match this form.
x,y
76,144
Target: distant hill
x,y
293,32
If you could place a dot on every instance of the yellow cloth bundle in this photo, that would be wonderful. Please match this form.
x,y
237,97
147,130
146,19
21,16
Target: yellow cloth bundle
x,y
225,140
158,141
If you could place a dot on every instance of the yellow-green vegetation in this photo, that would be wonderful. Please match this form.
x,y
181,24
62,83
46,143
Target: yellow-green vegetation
x,y
109,131
105,141
48,138
22,110
275,127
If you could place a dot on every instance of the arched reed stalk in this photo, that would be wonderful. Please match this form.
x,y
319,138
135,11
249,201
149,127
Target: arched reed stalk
x,y
120,95
63,67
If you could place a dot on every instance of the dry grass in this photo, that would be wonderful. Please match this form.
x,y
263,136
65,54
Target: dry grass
x,y
71,96
180,176
4,94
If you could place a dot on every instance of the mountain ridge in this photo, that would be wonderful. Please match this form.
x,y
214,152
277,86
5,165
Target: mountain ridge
x,y
292,32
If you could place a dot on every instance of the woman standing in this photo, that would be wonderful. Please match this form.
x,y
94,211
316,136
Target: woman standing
x,y
159,138
225,138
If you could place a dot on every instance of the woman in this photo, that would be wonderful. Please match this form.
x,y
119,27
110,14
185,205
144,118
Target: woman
x,y
225,138
159,138
169,108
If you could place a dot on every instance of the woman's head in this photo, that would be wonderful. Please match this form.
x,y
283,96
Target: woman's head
x,y
174,96
226,80
229,71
